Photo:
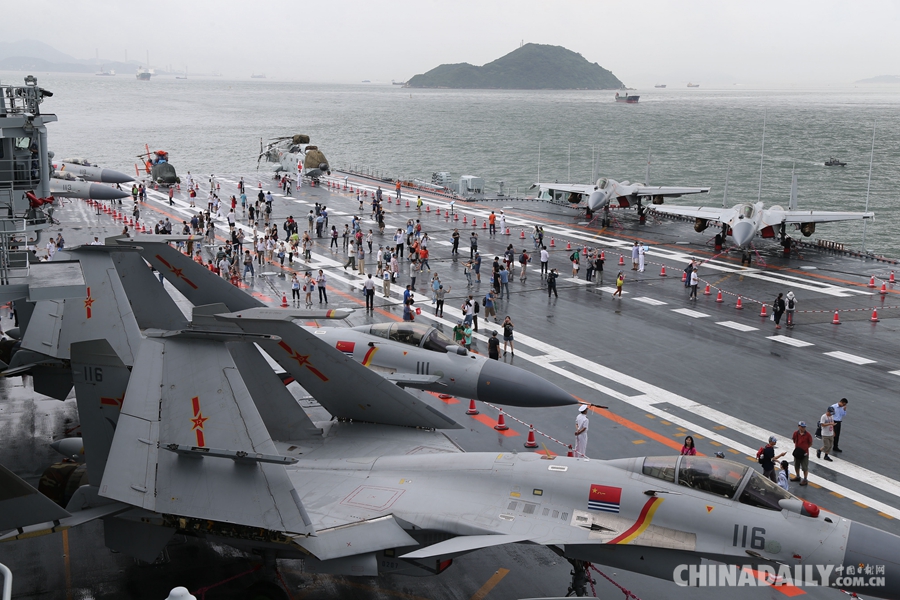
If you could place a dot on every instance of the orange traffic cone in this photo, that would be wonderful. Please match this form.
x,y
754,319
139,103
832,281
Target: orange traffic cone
x,y
762,312
522,235
456,217
501,423
568,245
472,408
874,318
837,319
683,276
706,291
883,288
571,452
531,442
621,259
507,231
740,303
719,297
284,303
438,211
891,280
427,208
474,222
407,204
484,224
464,220
871,283
662,272
259,185
603,255
552,243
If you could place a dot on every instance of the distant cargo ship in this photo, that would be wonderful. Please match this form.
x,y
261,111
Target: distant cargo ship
x,y
626,98
143,74
660,85
258,76
693,85
104,73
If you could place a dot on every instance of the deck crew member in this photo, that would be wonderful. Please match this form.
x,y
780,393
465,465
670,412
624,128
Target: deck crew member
x,y
581,431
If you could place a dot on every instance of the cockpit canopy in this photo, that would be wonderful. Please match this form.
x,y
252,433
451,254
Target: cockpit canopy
x,y
602,183
718,477
414,334
746,211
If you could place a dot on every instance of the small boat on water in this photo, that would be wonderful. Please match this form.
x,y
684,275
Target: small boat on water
x,y
627,99
143,74
693,85
104,73
833,162
258,76
660,85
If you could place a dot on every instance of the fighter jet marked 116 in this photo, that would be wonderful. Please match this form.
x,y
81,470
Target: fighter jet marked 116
x,y
600,194
745,221
291,152
411,355
196,439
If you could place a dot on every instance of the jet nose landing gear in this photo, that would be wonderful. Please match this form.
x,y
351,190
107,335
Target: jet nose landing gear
x,y
580,578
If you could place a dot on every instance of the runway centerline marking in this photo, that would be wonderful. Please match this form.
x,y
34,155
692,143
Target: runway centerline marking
x,y
789,341
851,358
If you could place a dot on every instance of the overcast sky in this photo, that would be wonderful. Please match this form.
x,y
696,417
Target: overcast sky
x,y
763,42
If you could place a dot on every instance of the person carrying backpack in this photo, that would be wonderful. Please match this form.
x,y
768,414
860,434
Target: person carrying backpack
x,y
790,307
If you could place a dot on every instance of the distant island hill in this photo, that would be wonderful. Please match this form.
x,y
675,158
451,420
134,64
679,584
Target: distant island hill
x,y
881,79
529,67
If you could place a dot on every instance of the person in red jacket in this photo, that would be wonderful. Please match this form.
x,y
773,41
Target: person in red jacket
x,y
802,442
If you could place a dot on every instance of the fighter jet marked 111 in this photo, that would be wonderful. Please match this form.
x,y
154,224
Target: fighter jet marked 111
x,y
412,355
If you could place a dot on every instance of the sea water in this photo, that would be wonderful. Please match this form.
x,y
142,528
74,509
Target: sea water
x,y
694,137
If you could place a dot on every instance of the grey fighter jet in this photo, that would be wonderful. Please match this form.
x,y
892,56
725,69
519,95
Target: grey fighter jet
x,y
80,167
202,443
411,355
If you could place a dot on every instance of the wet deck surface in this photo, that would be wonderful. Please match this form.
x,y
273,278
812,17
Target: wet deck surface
x,y
665,365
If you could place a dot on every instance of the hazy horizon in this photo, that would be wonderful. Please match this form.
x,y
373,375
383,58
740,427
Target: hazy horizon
x,y
705,42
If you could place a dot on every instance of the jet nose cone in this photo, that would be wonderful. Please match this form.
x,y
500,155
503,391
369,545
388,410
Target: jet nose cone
x,y
500,383
112,176
742,232
104,192
869,546
597,200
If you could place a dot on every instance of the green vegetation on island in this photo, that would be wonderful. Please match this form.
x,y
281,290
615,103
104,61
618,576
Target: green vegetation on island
x,y
530,67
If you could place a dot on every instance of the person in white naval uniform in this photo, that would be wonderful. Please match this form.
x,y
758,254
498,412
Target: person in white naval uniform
x,y
581,432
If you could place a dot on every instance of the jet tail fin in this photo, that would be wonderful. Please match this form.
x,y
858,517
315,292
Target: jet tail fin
x,y
190,442
101,379
792,203
195,282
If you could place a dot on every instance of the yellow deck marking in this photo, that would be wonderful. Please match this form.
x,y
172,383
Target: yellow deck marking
x,y
65,541
490,584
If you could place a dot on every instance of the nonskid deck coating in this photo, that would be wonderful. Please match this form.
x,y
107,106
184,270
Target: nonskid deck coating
x,y
664,375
